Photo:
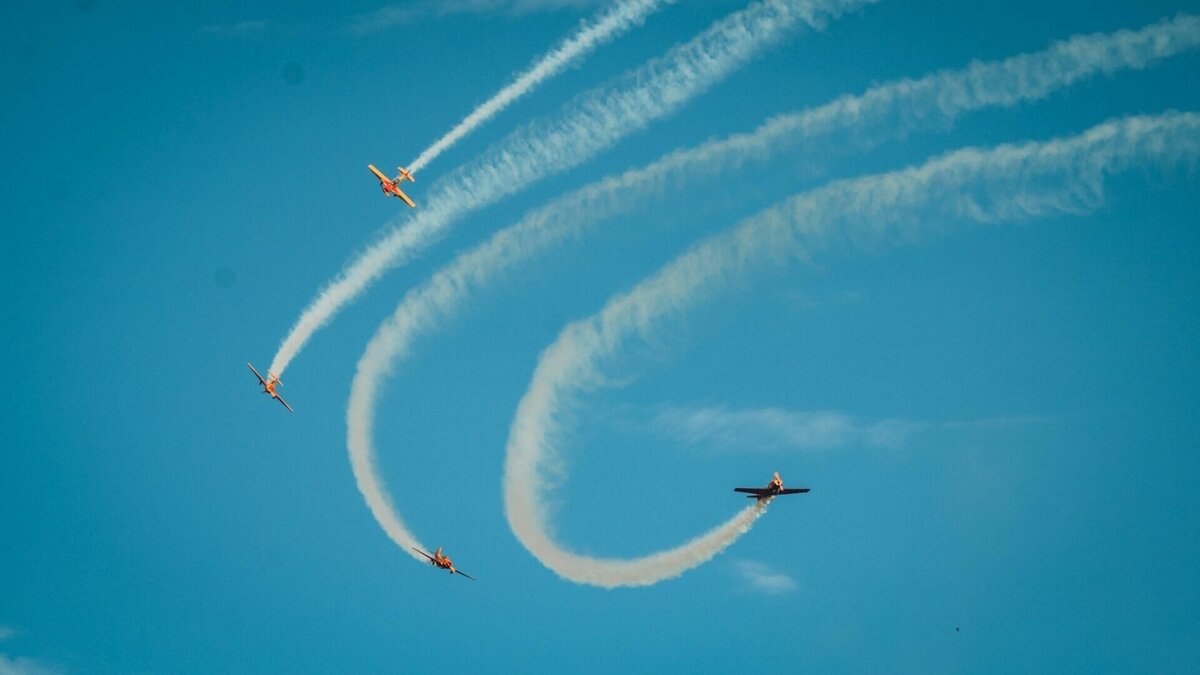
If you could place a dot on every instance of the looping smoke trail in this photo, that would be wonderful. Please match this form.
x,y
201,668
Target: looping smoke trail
x,y
651,569
614,21
427,307
595,121
592,122
1008,182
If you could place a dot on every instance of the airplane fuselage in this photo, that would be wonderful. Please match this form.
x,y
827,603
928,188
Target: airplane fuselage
x,y
438,559
269,384
269,388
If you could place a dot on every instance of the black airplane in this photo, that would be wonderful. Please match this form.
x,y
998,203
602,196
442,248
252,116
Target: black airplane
x,y
773,489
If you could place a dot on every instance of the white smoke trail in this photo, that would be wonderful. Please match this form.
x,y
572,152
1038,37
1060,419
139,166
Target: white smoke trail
x,y
426,307
594,121
1064,175
649,570
611,23
893,109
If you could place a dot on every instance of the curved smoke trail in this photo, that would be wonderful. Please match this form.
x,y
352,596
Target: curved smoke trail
x,y
592,122
614,21
595,121
1006,82
1065,176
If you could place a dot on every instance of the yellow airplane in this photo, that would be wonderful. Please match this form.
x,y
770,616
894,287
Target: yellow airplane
x,y
391,186
269,385
438,559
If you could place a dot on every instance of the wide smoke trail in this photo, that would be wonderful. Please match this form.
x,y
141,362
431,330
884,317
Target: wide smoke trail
x,y
1009,182
611,23
1026,76
592,122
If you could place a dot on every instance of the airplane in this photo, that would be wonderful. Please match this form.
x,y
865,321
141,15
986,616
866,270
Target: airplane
x,y
269,385
391,186
773,489
439,560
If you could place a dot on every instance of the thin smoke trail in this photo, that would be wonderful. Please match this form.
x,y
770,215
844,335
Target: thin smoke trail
x,y
1014,181
426,307
614,21
593,122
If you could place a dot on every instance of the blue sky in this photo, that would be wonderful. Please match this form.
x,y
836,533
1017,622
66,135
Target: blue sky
x,y
996,420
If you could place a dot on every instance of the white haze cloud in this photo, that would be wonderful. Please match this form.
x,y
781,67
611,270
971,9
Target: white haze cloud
x,y
241,29
767,429
762,578
592,122
20,665
426,308
1010,182
411,12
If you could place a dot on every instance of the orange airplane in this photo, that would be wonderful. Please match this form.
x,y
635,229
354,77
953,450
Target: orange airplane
x,y
269,385
439,560
773,489
391,186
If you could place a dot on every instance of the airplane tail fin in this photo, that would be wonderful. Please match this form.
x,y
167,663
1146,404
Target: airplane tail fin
x,y
275,377
405,174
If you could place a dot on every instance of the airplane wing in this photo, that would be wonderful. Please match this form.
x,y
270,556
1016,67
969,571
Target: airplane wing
x,y
465,575
754,492
377,173
407,200
260,377
792,491
285,403
422,553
